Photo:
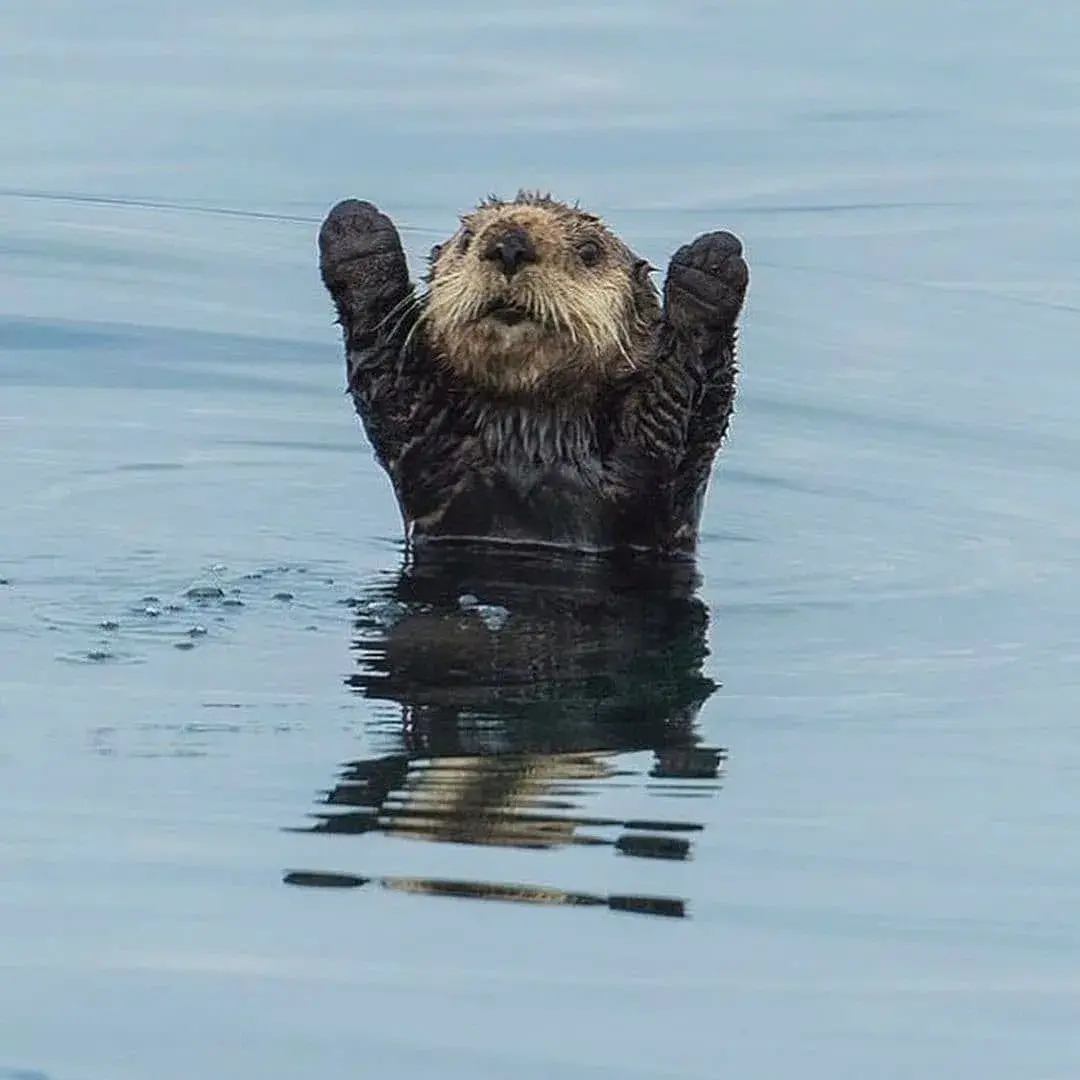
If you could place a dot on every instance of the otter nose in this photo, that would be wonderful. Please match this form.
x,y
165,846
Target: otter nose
x,y
512,248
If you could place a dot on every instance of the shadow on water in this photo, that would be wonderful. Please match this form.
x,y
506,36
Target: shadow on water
x,y
524,686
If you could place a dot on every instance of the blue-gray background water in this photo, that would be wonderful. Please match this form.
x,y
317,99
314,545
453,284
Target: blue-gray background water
x,y
884,879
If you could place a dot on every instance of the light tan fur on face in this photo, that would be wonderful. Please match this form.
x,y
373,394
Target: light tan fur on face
x,y
584,325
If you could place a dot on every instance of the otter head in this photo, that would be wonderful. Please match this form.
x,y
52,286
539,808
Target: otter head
x,y
536,296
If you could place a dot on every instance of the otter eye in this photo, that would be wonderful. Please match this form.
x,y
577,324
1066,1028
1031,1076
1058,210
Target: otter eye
x,y
589,252
466,238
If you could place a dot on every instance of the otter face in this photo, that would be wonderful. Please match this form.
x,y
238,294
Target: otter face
x,y
532,294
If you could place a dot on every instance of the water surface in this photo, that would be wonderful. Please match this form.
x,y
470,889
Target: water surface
x,y
824,826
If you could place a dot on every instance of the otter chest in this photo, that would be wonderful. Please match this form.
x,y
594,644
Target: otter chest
x,y
512,474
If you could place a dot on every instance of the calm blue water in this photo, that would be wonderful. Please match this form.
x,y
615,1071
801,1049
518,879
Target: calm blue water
x,y
865,794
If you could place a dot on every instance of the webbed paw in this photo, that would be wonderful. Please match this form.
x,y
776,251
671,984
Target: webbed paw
x,y
355,230
707,281
360,255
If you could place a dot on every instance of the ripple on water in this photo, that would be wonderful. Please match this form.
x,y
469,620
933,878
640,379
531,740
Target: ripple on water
x,y
185,616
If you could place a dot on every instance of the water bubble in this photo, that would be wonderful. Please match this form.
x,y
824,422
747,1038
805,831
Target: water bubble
x,y
492,616
232,602
186,646
109,624
151,612
98,656
285,597
197,631
388,613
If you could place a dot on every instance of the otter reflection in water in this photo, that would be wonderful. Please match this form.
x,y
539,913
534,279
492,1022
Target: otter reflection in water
x,y
521,685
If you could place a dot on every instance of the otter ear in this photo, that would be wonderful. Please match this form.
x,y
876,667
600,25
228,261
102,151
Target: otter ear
x,y
642,269
643,282
435,252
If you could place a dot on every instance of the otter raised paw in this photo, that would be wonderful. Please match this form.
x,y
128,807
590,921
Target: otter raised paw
x,y
707,281
538,391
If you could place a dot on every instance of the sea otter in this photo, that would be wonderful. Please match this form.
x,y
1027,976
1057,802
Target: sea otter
x,y
538,391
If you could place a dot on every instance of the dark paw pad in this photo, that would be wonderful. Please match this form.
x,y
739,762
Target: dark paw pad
x,y
707,279
355,230
710,251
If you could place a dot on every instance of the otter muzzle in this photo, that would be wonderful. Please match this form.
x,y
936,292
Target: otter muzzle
x,y
512,249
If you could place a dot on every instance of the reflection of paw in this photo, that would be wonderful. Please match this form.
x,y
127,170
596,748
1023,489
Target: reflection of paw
x,y
707,280
355,231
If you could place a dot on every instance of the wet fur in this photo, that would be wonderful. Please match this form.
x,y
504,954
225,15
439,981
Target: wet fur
x,y
588,323
593,424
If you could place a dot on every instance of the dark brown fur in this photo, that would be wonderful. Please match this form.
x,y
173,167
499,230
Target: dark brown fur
x,y
598,446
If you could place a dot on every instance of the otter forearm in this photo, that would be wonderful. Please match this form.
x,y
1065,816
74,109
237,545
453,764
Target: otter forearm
x,y
648,442
363,267
703,296
690,383
673,421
